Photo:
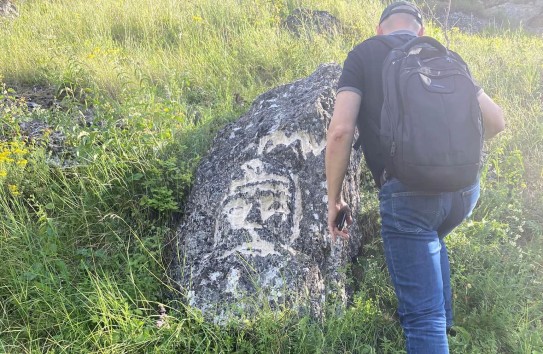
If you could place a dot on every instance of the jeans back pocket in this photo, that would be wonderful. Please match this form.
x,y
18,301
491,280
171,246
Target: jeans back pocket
x,y
415,212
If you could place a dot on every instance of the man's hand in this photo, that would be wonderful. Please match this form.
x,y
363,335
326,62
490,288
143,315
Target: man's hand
x,y
338,149
333,211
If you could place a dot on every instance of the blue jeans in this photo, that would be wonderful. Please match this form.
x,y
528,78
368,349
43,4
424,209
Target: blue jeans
x,y
413,227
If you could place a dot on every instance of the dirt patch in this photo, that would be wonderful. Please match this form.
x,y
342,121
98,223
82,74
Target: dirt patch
x,y
37,96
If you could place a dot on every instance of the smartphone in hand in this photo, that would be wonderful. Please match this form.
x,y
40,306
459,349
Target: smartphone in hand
x,y
341,217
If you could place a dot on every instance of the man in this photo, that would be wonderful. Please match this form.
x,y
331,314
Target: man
x,y
413,223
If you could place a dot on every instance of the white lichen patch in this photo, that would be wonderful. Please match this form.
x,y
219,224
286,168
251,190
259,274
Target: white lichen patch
x,y
308,144
237,211
314,228
273,280
263,195
213,276
257,247
297,218
232,281
270,276
191,298
253,172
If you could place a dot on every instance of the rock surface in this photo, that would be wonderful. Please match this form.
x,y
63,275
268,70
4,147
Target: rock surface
x,y
305,21
255,228
528,14
465,22
495,14
8,9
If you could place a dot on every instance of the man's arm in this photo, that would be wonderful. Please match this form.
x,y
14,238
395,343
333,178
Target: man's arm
x,y
493,120
338,150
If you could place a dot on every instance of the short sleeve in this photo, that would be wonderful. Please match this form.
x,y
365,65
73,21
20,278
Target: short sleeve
x,y
352,76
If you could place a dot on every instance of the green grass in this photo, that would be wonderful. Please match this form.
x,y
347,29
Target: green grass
x,y
82,243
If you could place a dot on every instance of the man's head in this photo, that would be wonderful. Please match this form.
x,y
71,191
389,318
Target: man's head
x,y
401,15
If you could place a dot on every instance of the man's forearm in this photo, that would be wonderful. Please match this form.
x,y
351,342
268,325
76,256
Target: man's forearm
x,y
493,119
338,150
339,142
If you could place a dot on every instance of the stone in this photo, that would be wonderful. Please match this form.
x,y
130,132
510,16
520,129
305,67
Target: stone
x,y
38,132
8,9
465,22
493,14
304,21
528,14
37,96
254,231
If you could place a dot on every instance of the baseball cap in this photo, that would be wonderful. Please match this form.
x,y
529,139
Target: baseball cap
x,y
401,7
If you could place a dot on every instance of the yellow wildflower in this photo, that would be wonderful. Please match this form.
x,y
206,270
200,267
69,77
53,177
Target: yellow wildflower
x,y
14,189
3,173
4,155
197,18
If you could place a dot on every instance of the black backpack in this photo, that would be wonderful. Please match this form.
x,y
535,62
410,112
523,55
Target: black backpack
x,y
431,126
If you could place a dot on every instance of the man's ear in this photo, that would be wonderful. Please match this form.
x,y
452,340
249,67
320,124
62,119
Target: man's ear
x,y
379,30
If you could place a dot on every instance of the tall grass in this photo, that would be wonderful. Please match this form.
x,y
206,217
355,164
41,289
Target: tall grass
x,y
82,234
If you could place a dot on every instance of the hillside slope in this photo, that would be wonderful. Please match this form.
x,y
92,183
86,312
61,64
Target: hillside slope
x,y
125,97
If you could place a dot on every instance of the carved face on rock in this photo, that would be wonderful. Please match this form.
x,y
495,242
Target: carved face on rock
x,y
260,213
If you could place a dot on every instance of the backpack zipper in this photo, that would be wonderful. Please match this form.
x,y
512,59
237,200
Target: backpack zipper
x,y
387,107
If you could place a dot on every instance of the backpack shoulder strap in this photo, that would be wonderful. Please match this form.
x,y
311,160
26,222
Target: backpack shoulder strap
x,y
425,40
392,42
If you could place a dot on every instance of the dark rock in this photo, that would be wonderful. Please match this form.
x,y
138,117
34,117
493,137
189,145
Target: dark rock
x,y
38,132
528,14
302,21
465,22
490,14
255,224
37,96
87,118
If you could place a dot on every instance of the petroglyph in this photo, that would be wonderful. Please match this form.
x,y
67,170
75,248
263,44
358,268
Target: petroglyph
x,y
255,221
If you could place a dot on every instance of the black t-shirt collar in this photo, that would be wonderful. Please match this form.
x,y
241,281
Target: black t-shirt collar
x,y
399,32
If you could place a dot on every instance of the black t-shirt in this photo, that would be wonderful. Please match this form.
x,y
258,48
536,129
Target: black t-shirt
x,y
362,74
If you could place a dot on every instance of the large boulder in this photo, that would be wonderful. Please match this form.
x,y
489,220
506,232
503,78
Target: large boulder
x,y
465,22
527,14
255,227
480,14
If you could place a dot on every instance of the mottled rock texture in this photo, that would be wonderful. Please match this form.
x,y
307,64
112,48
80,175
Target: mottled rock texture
x,y
306,21
8,9
528,13
495,14
254,232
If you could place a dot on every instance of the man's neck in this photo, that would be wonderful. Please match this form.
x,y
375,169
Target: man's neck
x,y
402,31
